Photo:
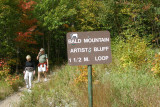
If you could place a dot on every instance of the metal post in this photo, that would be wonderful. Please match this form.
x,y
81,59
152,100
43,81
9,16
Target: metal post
x,y
90,91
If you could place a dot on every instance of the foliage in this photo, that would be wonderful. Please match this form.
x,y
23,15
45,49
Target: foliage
x,y
9,83
131,51
131,17
88,15
156,65
27,28
9,17
4,69
55,13
27,25
82,78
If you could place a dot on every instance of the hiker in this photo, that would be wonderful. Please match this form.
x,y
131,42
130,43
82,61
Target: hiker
x,y
43,64
29,71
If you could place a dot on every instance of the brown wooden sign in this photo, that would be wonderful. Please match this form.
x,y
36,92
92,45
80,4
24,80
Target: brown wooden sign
x,y
87,48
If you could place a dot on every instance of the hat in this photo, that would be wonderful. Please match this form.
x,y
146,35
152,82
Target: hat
x,y
41,49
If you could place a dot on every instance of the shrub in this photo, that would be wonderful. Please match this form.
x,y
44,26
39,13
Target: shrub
x,y
156,65
4,69
9,83
130,52
15,81
82,78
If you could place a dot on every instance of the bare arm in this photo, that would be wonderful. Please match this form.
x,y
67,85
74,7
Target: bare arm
x,y
24,69
47,62
38,55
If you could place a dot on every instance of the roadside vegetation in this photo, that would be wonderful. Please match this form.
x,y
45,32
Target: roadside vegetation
x,y
128,81
8,83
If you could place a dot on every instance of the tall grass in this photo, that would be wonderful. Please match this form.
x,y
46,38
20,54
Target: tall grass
x,y
5,90
129,89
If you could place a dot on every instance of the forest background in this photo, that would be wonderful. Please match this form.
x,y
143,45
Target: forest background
x,y
28,25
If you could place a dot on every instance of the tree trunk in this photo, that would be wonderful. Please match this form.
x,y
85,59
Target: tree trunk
x,y
49,50
43,41
17,62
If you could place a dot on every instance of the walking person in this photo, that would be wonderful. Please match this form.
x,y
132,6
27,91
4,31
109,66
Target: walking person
x,y
29,71
43,64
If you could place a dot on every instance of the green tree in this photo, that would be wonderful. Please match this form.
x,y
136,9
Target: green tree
x,y
9,17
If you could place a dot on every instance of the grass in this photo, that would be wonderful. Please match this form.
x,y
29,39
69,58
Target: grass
x,y
5,90
127,89
135,89
112,89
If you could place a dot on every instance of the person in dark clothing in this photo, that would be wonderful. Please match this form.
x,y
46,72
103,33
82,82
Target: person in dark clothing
x,y
29,71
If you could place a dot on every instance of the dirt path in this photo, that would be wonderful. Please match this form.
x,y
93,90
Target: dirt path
x,y
12,100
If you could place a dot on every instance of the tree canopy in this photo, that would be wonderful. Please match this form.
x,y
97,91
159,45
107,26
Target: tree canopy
x,y
28,25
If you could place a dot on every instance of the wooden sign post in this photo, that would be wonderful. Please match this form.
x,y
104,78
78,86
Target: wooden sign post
x,y
90,90
87,48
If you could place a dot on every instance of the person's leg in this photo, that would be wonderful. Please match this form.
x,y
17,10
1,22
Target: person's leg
x,y
39,72
44,72
26,76
45,76
30,79
39,75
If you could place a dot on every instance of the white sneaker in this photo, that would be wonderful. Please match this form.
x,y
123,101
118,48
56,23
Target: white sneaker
x,y
45,79
37,81
29,90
